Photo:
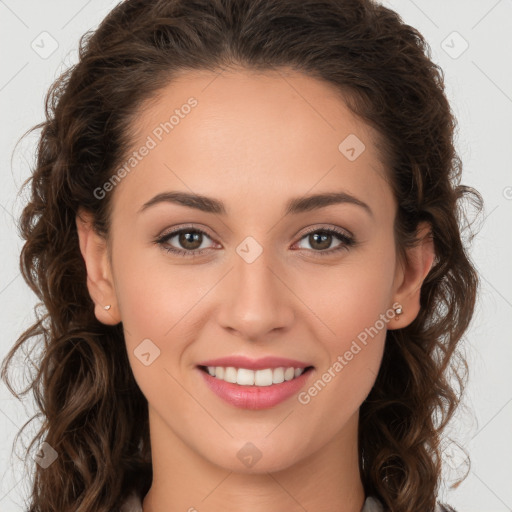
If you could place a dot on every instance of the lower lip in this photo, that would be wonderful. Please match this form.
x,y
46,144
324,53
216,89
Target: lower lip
x,y
255,397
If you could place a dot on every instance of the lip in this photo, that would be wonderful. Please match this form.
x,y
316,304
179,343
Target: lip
x,y
254,364
255,397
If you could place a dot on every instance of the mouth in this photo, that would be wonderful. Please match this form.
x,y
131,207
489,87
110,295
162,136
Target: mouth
x,y
255,378
262,388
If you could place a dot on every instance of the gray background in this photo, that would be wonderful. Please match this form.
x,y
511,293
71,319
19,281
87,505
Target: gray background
x,y
479,86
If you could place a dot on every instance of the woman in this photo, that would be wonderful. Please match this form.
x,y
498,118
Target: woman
x,y
244,228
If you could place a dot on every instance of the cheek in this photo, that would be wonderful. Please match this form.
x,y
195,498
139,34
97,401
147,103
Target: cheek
x,y
350,296
354,306
157,305
346,376
157,298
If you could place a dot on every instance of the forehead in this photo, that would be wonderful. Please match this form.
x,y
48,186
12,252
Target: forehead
x,y
257,136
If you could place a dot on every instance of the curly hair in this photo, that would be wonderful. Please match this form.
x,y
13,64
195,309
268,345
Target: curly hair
x,y
84,386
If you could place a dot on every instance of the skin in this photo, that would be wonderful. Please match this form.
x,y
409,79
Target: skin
x,y
254,141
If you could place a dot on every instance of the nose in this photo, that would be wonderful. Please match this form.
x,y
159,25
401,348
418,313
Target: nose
x,y
256,300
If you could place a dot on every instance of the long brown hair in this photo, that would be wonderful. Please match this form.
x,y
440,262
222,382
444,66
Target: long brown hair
x,y
95,416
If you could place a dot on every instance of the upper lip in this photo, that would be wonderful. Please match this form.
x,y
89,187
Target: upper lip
x,y
255,364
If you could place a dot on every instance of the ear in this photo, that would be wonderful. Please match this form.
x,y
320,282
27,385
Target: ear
x,y
99,275
410,275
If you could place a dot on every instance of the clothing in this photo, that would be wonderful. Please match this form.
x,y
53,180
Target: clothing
x,y
134,504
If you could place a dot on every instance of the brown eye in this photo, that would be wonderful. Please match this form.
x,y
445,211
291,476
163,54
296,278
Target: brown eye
x,y
189,242
321,240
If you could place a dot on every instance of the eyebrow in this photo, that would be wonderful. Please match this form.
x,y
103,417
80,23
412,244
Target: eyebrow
x,y
293,206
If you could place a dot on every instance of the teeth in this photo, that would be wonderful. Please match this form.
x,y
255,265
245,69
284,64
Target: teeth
x,y
278,376
246,377
229,374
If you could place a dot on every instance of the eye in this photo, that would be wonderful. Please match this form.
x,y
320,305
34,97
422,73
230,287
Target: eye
x,y
190,242
321,239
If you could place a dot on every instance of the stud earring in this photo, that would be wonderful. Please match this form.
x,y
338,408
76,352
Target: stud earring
x,y
107,307
398,311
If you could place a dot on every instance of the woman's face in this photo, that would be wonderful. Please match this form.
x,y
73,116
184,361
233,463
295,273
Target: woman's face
x,y
264,282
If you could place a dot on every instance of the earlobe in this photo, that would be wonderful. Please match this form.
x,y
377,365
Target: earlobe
x,y
93,248
411,275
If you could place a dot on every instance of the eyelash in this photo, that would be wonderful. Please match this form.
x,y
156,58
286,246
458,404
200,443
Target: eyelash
x,y
347,241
